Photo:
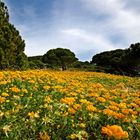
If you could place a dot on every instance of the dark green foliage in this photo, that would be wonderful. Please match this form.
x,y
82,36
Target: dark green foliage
x,y
59,58
83,66
126,62
4,16
132,57
80,64
11,44
32,58
109,58
37,64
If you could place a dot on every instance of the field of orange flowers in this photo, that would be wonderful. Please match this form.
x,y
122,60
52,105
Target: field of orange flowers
x,y
56,105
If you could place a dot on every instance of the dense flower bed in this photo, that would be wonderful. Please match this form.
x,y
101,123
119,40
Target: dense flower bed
x,y
55,105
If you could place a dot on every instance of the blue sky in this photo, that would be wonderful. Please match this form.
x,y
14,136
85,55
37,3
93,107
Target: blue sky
x,y
86,27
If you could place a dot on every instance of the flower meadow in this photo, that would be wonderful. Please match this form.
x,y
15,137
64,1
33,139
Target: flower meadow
x,y
57,105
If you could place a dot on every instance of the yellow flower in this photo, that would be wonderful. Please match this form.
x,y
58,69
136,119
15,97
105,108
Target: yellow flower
x,y
109,112
122,105
73,136
84,101
101,99
82,125
82,134
33,115
32,81
25,90
71,111
47,99
7,101
115,131
77,106
46,87
1,113
3,82
73,93
65,114
4,94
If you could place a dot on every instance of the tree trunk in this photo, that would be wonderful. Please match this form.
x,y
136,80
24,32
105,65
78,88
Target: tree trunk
x,y
64,68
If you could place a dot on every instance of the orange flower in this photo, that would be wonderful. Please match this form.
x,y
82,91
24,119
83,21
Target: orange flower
x,y
119,116
137,101
109,112
115,131
1,75
2,99
93,95
134,112
134,105
101,99
115,108
15,89
107,131
77,106
113,103
68,100
125,111
91,108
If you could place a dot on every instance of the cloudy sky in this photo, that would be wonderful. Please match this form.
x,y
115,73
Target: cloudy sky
x,y
86,27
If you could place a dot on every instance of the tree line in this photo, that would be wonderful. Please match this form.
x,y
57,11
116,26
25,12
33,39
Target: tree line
x,y
119,61
12,56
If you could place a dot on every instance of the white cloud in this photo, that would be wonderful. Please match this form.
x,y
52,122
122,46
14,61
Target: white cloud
x,y
86,27
120,19
85,44
97,40
108,7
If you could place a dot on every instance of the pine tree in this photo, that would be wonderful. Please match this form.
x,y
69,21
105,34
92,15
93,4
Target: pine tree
x,y
11,43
